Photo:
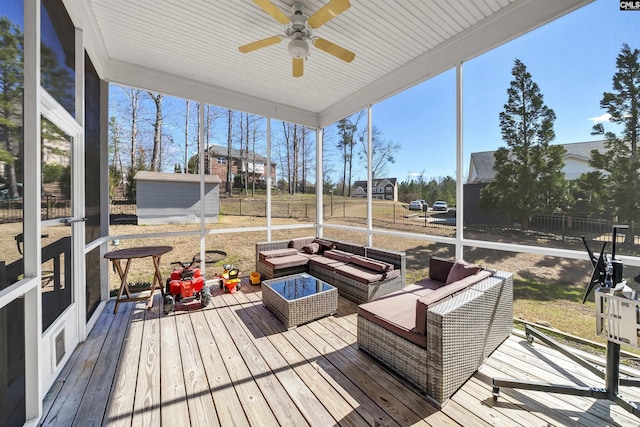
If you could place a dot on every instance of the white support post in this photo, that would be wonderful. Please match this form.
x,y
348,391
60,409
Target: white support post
x,y
369,179
319,184
78,244
459,166
269,183
31,209
203,236
105,198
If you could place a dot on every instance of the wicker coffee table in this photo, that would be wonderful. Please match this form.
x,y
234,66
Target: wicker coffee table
x,y
299,299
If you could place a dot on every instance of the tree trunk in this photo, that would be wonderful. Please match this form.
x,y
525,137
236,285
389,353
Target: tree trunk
x,y
157,133
294,187
229,140
186,139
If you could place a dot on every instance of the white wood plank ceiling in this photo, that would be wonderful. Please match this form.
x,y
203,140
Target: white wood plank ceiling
x,y
189,48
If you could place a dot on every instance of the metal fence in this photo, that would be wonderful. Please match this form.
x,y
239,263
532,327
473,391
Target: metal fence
x,y
50,207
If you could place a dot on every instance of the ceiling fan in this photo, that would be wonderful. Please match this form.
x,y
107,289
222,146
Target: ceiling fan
x,y
299,31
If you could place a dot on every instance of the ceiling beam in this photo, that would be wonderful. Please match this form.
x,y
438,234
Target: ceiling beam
x,y
128,74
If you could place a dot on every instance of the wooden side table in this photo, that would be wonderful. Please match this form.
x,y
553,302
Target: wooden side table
x,y
155,252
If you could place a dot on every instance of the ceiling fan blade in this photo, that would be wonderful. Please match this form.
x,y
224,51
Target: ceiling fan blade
x,y
333,49
259,44
328,12
273,10
298,67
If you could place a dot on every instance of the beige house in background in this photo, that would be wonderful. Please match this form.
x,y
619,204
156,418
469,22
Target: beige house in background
x,y
481,173
576,162
383,189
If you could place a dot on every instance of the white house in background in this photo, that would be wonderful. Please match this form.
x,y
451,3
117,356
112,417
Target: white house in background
x,y
383,189
576,162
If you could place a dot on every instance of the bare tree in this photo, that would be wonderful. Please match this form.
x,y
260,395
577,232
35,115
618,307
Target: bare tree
x,y
291,154
347,129
383,152
134,105
157,132
186,137
229,142
116,170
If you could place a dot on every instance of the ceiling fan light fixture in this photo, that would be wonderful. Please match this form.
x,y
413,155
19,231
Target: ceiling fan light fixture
x,y
298,48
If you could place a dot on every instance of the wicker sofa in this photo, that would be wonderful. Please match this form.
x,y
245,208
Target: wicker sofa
x,y
360,273
436,335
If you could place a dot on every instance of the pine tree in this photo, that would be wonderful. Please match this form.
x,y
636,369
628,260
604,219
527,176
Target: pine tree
x,y
11,77
529,176
621,181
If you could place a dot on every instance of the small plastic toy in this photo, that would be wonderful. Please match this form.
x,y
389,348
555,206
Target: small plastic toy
x,y
230,282
186,284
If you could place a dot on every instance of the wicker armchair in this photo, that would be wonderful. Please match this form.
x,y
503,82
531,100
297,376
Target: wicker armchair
x,y
462,332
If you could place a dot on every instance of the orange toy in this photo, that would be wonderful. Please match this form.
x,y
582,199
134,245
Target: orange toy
x,y
230,282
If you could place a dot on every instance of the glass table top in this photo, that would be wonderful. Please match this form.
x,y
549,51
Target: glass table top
x,y
299,286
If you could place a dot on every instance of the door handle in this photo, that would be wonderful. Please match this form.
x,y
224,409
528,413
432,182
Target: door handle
x,y
69,221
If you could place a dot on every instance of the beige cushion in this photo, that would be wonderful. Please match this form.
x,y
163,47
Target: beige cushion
x,y
460,270
364,275
274,253
326,262
299,242
287,261
392,313
423,287
432,298
338,255
371,264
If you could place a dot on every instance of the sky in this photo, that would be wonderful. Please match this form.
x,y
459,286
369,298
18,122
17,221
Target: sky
x,y
571,59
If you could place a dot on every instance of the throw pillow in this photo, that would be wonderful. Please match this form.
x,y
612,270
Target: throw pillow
x,y
325,245
298,243
311,248
460,270
371,264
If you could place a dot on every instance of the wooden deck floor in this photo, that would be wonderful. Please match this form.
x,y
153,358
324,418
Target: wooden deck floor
x,y
234,364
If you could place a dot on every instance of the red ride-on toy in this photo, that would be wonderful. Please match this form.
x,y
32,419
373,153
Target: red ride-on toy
x,y
185,285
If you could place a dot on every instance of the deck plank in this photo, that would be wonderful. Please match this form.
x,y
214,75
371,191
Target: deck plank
x,y
202,409
596,412
382,391
368,409
70,378
234,363
324,392
120,405
264,361
146,407
229,410
255,405
94,400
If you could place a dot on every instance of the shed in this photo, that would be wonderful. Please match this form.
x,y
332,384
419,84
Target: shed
x,y
174,198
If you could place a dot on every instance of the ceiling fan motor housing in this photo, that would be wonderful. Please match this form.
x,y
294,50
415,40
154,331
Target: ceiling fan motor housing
x,y
298,32
298,48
